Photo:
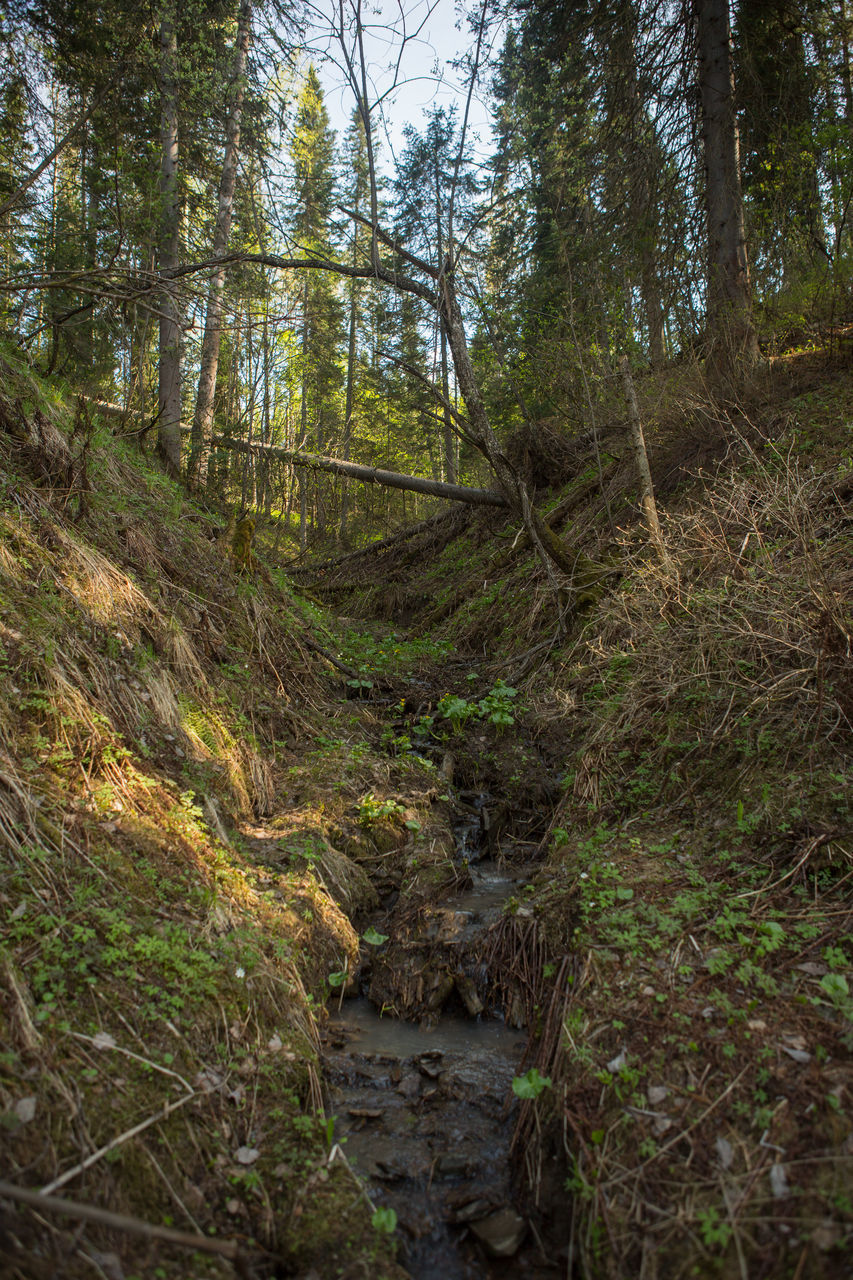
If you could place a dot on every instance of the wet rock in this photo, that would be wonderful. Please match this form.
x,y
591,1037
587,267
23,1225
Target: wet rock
x,y
439,996
473,1211
453,1164
468,995
410,1085
501,1233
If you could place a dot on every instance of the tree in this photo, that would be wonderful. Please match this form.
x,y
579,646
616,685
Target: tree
x,y
203,417
355,195
778,123
428,183
312,153
731,330
168,248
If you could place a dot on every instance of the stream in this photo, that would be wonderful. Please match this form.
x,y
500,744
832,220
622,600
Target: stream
x,y
425,1114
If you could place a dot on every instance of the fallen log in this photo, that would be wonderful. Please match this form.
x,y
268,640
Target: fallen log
x,y
369,475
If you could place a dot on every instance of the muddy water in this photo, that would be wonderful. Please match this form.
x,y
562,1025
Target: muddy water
x,y
427,1117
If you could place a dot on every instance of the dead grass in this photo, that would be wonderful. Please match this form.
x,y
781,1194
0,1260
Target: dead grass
x,y
155,1012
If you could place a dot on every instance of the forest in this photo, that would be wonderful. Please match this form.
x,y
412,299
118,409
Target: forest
x,y
426,639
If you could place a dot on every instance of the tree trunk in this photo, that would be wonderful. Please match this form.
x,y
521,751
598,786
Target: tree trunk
x,y
350,395
449,437
733,339
169,397
512,486
303,422
369,475
641,459
203,418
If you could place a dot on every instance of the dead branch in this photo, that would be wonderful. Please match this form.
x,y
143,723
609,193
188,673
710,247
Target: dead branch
x,y
229,1249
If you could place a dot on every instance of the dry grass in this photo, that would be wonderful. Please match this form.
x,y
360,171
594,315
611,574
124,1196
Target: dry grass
x,y
154,1004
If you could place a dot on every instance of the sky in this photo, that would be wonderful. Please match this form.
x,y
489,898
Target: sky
x,y
409,75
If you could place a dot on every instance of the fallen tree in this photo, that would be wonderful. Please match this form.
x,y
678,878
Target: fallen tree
x,y
369,475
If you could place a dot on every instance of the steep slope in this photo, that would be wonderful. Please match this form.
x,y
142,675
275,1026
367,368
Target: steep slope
x,y
164,856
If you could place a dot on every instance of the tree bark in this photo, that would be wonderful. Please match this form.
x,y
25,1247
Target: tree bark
x,y
732,334
348,407
203,419
169,394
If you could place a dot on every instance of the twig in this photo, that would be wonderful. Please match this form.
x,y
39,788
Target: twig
x,y
229,1249
330,657
682,1132
128,1053
118,1141
811,847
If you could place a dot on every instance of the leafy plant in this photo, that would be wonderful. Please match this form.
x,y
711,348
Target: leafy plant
x,y
384,1220
495,706
531,1084
457,710
371,810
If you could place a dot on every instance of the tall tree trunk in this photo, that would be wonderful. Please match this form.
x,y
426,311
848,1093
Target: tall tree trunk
x,y
169,398
91,212
350,392
732,333
449,439
203,416
303,421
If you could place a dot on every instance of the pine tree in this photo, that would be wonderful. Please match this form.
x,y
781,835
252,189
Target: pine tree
x,y
312,154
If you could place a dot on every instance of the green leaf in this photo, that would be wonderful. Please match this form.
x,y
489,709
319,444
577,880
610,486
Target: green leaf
x,y
374,937
835,985
625,894
384,1220
531,1084
337,979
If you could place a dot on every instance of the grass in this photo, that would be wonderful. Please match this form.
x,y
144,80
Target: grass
x,y
151,956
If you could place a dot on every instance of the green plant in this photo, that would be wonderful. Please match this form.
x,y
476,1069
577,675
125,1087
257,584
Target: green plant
x,y
384,1220
714,1232
495,706
531,1084
457,710
371,810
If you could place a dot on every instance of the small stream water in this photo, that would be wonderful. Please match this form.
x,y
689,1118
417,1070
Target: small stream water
x,y
425,1112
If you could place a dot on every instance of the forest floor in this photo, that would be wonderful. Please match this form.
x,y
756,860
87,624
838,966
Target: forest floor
x,y
210,832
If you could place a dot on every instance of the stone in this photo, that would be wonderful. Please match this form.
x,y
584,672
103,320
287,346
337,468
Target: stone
x,y
452,1164
410,1085
501,1233
468,995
